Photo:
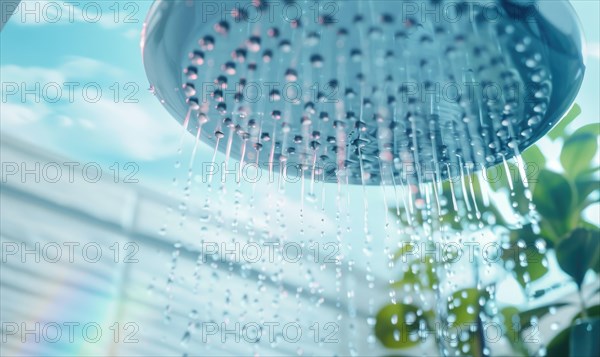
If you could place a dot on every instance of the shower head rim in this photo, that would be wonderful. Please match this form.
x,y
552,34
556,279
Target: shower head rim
x,y
172,96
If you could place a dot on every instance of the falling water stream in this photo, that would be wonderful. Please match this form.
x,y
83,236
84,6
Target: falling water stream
x,y
414,202
355,122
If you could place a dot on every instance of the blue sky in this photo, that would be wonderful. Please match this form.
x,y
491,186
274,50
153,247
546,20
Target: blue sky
x,y
106,52
91,55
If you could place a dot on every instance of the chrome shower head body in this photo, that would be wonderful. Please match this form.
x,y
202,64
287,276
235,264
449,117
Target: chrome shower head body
x,y
365,91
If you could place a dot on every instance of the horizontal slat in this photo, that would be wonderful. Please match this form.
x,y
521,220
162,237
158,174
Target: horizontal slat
x,y
104,213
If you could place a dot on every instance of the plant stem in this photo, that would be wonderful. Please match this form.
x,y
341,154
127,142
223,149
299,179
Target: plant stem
x,y
584,313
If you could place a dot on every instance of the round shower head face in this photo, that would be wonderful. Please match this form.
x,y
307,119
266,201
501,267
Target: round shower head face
x,y
365,91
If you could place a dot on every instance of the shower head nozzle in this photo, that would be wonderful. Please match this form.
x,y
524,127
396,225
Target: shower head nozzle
x,y
366,91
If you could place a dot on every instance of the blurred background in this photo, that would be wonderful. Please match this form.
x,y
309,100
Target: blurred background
x,y
102,236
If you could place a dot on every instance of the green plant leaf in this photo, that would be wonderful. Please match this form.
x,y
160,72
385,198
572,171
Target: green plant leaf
x,y
592,311
579,253
532,266
525,233
548,233
585,185
588,225
394,329
496,177
510,325
529,269
553,198
559,129
534,161
410,277
511,329
593,129
560,344
465,307
534,154
578,151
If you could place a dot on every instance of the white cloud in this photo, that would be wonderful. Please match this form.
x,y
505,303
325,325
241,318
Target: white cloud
x,y
73,67
30,75
141,131
85,67
125,128
17,115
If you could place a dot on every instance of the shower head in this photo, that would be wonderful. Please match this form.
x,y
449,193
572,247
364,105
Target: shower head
x,y
359,91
